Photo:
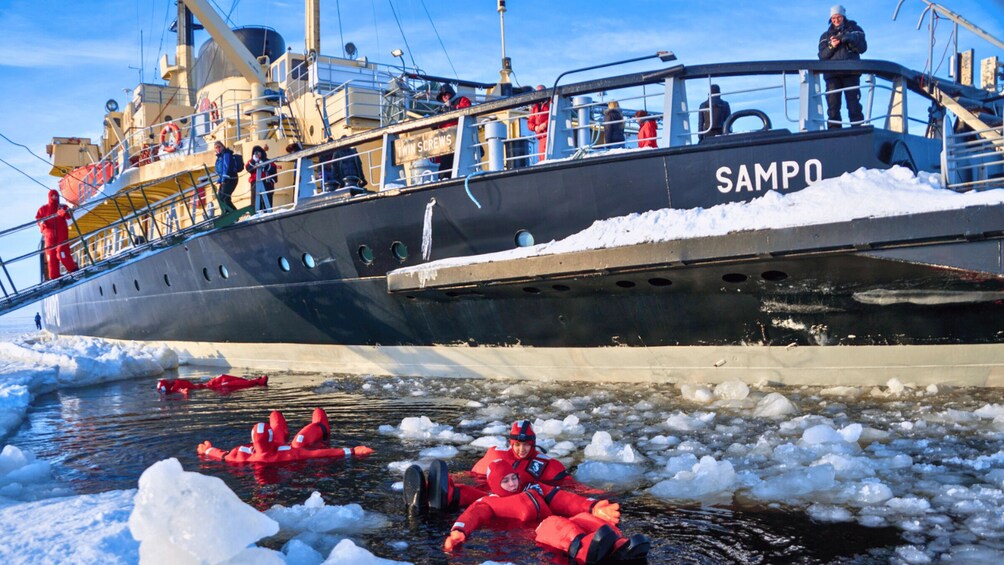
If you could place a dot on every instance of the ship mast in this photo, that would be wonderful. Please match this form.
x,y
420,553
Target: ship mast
x,y
312,31
504,82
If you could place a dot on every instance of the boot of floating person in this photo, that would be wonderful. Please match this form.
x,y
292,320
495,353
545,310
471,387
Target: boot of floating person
x,y
439,485
415,489
280,430
320,417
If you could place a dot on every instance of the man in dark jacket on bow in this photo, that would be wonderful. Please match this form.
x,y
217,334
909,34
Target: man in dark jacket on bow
x,y
844,40
225,176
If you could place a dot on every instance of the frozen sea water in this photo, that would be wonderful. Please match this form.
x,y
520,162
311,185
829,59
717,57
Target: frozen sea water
x,y
727,473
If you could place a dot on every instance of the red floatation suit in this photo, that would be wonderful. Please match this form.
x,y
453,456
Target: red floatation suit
x,y
221,383
265,446
564,518
51,219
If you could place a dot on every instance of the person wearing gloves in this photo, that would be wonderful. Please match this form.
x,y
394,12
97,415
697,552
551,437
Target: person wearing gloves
x,y
222,383
584,528
843,40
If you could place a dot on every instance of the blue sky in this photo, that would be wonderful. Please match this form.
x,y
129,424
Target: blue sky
x,y
60,61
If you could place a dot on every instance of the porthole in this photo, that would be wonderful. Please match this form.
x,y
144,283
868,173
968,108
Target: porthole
x,y
167,281
284,264
205,273
135,283
524,238
561,287
308,261
224,272
531,290
400,251
366,254
774,275
184,121
625,284
101,291
659,281
115,289
168,118
311,130
734,278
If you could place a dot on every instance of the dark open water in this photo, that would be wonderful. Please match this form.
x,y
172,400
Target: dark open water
x,y
102,437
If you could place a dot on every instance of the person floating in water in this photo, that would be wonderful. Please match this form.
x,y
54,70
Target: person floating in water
x,y
268,443
583,528
38,321
222,383
440,492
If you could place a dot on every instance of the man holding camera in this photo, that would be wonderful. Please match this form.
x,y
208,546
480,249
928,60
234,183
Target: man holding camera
x,y
844,40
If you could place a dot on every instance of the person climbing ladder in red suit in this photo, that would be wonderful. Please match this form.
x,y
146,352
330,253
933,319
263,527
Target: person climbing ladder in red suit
x,y
265,447
222,383
51,219
584,528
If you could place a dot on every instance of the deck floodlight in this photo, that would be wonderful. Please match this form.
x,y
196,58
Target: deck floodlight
x,y
665,56
397,53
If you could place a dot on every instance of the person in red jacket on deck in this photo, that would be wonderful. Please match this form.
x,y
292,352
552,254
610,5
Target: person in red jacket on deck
x,y
538,122
646,129
51,219
451,101
584,528
221,383
440,492
265,446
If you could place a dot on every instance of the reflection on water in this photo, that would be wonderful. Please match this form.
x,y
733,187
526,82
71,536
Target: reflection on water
x,y
103,437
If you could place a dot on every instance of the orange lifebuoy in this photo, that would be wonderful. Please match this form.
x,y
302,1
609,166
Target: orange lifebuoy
x,y
170,137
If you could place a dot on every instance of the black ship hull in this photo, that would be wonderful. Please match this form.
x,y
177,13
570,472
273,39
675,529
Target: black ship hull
x,y
229,289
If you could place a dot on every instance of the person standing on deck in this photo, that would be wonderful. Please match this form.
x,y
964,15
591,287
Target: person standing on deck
x,y
613,126
451,101
712,114
51,219
538,122
844,40
225,176
263,172
38,321
647,129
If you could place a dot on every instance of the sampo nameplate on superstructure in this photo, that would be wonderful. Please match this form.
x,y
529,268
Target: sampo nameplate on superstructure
x,y
425,145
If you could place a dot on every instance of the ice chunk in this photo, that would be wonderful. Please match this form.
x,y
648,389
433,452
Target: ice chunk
x,y
912,554
421,427
685,462
682,422
697,393
825,434
990,411
732,390
569,426
315,516
439,452
603,448
180,516
563,405
829,513
774,405
490,441
708,479
849,392
795,484
610,476
909,505
348,552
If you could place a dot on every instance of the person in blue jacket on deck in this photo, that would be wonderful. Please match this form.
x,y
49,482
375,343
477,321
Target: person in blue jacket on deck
x,y
224,176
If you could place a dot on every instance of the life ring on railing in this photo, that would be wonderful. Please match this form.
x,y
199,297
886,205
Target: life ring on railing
x,y
170,137
727,126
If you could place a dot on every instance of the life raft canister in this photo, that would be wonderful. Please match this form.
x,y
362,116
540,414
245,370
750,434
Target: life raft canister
x,y
170,137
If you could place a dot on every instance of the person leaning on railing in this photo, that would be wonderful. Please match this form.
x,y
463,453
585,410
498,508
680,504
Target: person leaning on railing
x,y
265,172
844,40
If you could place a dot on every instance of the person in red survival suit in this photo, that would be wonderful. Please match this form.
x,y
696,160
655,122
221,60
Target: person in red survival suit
x,y
538,122
51,219
265,449
585,528
440,492
221,383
